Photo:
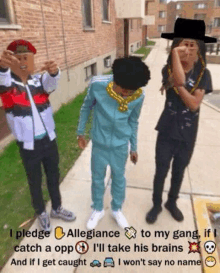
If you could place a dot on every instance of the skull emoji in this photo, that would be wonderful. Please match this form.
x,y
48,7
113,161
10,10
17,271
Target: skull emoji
x,y
210,247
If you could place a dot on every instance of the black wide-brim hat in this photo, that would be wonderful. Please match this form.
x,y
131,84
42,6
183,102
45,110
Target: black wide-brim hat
x,y
191,29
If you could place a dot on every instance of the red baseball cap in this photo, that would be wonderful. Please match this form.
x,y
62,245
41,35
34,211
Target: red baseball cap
x,y
21,46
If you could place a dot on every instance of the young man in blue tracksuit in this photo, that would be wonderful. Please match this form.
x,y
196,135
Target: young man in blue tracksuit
x,y
117,100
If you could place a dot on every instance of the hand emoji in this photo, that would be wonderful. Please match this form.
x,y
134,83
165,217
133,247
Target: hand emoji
x,y
59,234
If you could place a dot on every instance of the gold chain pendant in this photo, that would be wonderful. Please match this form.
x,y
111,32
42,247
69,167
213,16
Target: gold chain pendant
x,y
123,102
198,79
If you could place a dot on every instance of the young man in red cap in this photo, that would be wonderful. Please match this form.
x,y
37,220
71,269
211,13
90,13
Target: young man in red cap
x,y
30,118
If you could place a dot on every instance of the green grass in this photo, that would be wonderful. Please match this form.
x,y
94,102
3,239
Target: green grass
x,y
110,72
150,43
15,201
143,50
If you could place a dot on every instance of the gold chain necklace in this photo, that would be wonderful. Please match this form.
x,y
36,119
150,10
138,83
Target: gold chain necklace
x,y
123,102
198,79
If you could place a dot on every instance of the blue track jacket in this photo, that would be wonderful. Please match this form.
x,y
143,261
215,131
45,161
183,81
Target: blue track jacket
x,y
110,127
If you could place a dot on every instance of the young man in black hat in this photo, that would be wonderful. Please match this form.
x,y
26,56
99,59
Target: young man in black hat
x,y
29,114
186,80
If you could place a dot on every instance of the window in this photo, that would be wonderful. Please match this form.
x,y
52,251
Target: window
x,y
7,16
87,12
105,9
178,6
217,3
90,71
3,12
162,14
200,6
131,24
163,1
199,16
107,62
161,28
216,22
132,48
139,23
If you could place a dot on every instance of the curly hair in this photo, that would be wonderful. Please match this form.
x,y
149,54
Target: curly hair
x,y
130,72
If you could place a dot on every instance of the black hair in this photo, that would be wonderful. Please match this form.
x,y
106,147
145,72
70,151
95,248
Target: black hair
x,y
130,72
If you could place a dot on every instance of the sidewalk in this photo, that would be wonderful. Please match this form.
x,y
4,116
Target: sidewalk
x,y
201,179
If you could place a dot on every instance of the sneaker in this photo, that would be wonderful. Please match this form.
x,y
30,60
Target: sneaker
x,y
120,219
94,218
44,221
63,214
151,217
175,212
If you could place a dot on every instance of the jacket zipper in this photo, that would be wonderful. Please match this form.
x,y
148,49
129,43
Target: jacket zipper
x,y
31,112
38,114
113,125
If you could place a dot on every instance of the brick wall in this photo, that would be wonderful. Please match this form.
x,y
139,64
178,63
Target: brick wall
x,y
135,34
171,13
80,45
120,37
153,9
216,14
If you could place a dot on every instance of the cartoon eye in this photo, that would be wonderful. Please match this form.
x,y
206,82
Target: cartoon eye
x,y
25,58
192,45
186,44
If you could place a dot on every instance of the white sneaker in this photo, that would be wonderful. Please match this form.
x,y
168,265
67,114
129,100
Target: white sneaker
x,y
120,219
94,218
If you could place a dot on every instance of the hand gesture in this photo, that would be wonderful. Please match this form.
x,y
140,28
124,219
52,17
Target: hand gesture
x,y
134,157
183,51
51,67
82,142
8,59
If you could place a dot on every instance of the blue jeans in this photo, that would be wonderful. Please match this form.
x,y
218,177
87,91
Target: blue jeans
x,y
116,158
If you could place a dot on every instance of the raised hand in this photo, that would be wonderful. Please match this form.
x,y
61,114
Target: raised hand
x,y
8,60
51,67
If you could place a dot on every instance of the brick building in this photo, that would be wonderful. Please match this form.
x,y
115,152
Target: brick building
x,y
135,35
207,10
157,8
79,34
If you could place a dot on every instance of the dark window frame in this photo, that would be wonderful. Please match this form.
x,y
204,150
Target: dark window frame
x,y
105,61
218,25
87,22
93,67
200,17
106,13
4,15
196,6
162,11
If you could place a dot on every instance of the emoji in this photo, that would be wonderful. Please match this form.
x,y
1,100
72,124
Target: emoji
x,y
210,247
59,234
210,261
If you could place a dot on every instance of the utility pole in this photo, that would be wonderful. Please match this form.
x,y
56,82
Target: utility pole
x,y
126,37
